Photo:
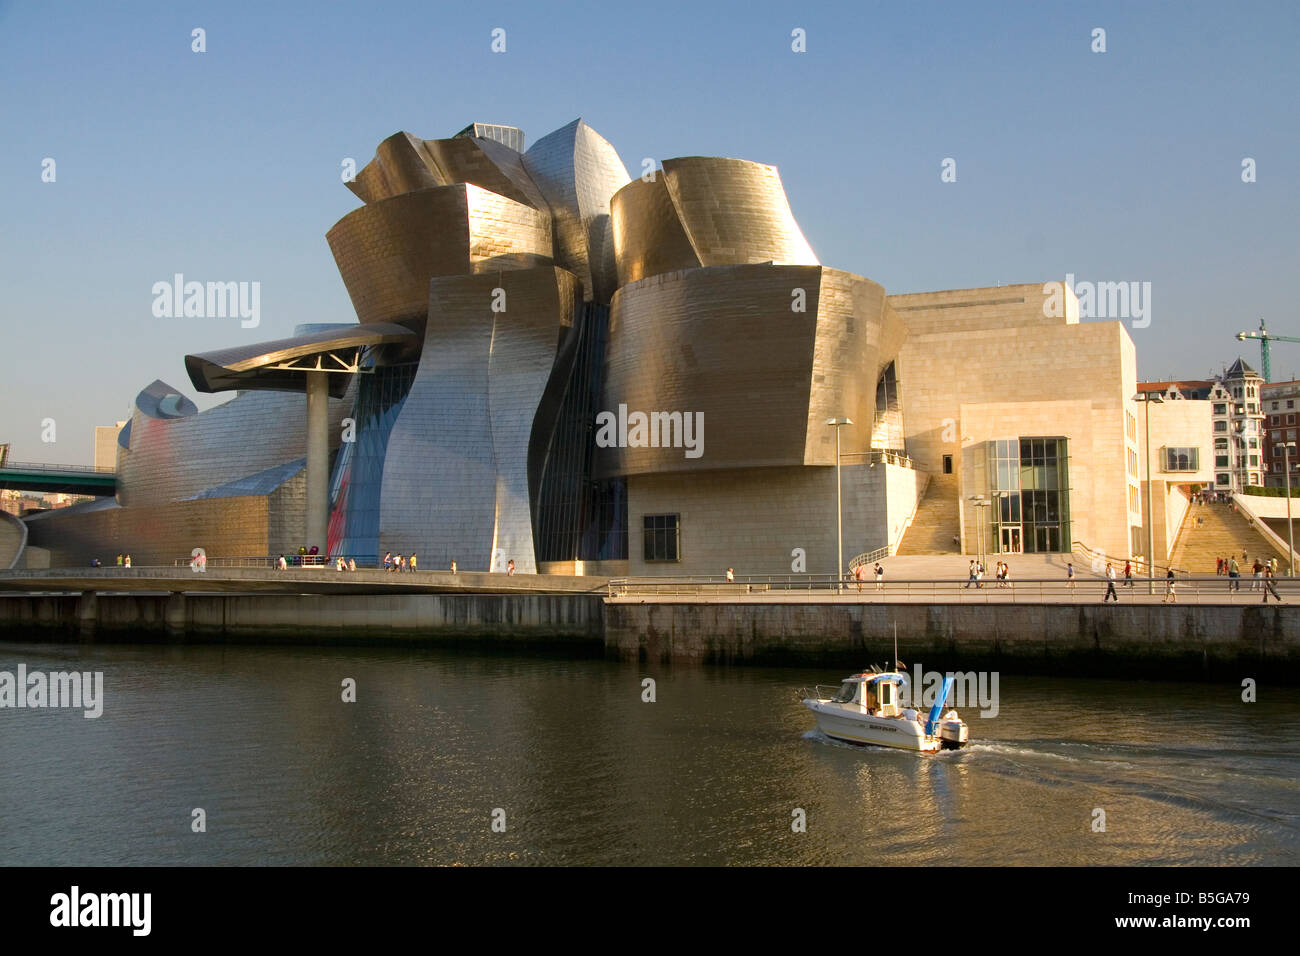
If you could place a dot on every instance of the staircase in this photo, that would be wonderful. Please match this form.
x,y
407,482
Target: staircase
x,y
936,521
1216,531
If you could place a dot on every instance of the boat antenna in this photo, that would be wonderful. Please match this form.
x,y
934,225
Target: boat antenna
x,y
896,662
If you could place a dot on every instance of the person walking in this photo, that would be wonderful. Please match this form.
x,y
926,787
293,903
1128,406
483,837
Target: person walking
x,y
352,564
880,577
860,573
1270,586
971,579
1006,575
1128,574
731,576
979,575
1110,584
126,562
453,565
1069,575
413,562
1171,596
1234,575
1257,575
388,561
1218,566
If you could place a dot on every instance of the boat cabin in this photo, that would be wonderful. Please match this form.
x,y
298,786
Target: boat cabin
x,y
876,694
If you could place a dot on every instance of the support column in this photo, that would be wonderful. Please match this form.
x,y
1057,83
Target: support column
x,y
318,461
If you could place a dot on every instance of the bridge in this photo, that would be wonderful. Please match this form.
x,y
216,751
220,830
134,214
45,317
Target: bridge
x,y
55,479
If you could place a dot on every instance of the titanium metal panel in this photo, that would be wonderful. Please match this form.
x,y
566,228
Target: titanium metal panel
x,y
734,211
727,342
388,250
648,236
455,482
171,459
578,172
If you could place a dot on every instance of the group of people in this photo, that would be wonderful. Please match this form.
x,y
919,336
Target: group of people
x,y
123,560
1210,497
860,575
401,562
1263,574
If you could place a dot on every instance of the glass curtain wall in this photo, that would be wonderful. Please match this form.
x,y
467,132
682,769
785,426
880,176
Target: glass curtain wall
x,y
1029,479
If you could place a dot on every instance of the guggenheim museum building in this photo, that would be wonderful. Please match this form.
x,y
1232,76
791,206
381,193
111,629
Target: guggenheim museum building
x,y
558,365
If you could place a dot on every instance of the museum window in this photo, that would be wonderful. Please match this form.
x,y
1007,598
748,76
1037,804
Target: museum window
x,y
661,537
947,464
1030,479
1182,459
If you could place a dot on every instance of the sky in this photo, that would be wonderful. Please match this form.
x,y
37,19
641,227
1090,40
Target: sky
x,y
225,165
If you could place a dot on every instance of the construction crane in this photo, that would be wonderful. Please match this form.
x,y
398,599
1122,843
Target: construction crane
x,y
1264,336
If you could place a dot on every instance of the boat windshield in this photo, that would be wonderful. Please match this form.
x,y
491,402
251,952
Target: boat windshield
x,y
847,692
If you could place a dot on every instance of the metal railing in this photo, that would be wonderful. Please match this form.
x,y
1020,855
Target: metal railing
x,y
1200,589
46,468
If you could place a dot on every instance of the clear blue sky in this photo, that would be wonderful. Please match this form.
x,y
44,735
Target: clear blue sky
x,y
225,165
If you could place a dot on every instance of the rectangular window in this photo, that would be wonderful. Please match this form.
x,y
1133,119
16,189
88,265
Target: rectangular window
x,y
1221,479
947,464
1274,408
1254,461
1221,409
1220,426
1290,403
1220,443
1276,436
1220,461
661,537
1182,459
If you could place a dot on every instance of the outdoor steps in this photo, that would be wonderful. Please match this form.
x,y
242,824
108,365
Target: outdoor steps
x,y
936,523
1221,532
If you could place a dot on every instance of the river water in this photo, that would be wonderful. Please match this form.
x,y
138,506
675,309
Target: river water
x,y
568,759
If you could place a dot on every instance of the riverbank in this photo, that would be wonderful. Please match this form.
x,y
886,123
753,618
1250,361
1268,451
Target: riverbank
x,y
1140,639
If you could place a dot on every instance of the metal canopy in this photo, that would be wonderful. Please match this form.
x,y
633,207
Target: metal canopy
x,y
284,364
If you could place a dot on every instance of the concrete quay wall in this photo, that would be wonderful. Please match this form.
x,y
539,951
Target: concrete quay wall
x,y
1066,638
535,619
1126,640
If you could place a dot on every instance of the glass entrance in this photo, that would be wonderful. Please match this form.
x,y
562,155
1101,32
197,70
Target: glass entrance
x,y
1010,539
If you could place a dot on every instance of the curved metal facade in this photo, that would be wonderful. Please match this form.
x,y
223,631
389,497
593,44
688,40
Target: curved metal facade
x,y
648,236
734,211
727,342
387,251
174,458
578,172
456,481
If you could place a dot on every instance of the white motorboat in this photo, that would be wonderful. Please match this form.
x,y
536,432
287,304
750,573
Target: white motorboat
x,y
866,710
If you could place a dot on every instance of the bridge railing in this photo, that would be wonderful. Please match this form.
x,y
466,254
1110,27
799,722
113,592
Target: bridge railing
x,y
46,468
